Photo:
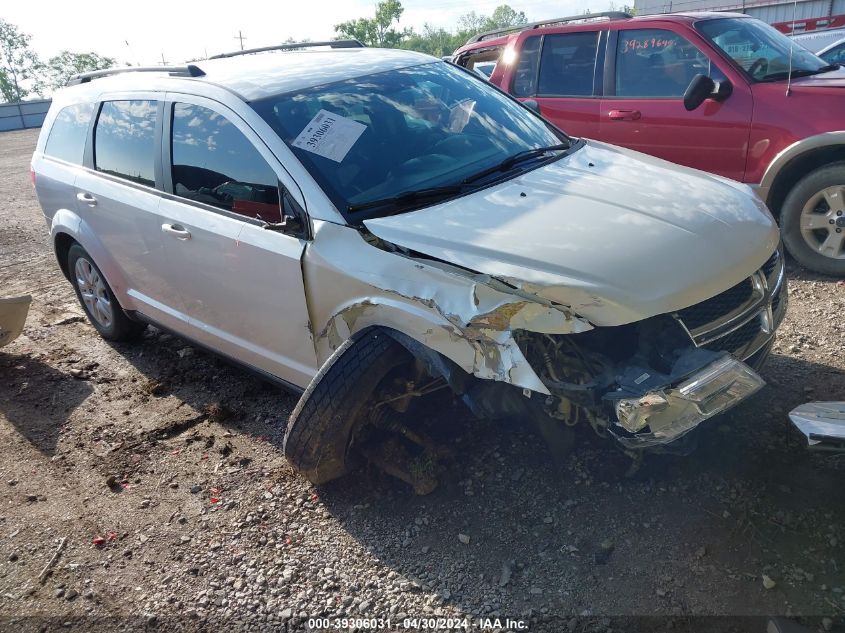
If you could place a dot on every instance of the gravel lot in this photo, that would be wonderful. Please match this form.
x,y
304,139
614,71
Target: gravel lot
x,y
161,467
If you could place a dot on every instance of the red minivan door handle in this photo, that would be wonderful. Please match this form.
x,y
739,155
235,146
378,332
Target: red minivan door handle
x,y
624,115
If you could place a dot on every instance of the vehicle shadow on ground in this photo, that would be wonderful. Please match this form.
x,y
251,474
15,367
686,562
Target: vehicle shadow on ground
x,y
574,535
39,420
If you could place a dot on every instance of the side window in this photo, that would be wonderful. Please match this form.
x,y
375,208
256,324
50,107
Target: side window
x,y
214,163
69,131
835,55
525,77
568,64
124,140
657,63
483,62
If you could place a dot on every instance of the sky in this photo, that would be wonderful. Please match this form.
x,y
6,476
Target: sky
x,y
182,30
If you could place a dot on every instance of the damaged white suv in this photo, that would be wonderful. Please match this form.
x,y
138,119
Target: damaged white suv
x,y
371,226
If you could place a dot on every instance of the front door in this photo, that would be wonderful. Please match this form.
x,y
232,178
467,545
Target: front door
x,y
648,72
239,285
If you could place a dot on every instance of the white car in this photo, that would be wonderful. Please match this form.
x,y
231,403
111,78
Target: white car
x,y
374,226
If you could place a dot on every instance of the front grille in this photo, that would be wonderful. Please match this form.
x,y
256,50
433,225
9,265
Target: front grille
x,y
736,341
771,266
708,321
716,307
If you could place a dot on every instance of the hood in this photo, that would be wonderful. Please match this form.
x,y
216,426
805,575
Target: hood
x,y
832,79
616,235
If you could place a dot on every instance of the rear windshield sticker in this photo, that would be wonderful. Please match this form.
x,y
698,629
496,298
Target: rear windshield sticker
x,y
329,135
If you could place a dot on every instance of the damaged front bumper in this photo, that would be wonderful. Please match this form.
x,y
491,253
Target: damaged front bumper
x,y
665,412
822,424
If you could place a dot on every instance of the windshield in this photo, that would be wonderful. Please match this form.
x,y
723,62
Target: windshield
x,y
759,49
390,133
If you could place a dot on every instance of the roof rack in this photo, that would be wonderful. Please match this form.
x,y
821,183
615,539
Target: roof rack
x,y
289,47
610,15
177,71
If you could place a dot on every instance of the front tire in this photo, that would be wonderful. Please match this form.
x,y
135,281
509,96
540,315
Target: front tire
x,y
813,220
337,403
97,299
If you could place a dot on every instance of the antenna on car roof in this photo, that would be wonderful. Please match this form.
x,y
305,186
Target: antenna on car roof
x,y
791,48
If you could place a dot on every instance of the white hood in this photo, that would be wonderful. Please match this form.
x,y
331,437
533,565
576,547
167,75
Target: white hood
x,y
617,235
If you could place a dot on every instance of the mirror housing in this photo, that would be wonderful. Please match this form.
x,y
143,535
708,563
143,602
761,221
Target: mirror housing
x,y
532,105
703,87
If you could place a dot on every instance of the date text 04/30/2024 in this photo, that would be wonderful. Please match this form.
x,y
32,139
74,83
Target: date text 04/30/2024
x,y
422,624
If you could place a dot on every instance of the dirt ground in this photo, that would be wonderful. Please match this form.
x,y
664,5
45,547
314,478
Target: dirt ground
x,y
160,468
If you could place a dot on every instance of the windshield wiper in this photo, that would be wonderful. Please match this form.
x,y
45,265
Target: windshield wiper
x,y
519,157
408,197
804,72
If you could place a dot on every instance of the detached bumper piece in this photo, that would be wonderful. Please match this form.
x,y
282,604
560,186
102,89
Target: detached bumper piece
x,y
822,423
13,313
661,415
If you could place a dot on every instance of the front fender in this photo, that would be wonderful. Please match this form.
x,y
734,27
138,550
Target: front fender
x,y
352,285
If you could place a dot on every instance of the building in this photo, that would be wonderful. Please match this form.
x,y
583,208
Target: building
x,y
808,15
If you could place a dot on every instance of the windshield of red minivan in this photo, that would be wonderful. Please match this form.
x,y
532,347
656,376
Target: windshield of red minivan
x,y
760,50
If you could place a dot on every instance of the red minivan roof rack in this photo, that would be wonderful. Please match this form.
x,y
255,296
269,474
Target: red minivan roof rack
x,y
584,17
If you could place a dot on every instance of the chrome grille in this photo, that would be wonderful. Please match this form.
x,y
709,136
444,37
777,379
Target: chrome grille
x,y
712,309
742,319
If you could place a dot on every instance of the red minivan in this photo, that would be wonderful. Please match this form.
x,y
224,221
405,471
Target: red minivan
x,y
720,92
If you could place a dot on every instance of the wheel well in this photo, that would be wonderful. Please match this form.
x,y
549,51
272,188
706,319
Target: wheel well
x,y
62,245
799,167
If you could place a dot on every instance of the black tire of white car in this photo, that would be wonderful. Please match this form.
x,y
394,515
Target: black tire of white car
x,y
801,194
319,432
120,327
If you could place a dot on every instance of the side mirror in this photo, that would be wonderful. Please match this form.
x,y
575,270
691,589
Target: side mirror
x,y
532,105
702,87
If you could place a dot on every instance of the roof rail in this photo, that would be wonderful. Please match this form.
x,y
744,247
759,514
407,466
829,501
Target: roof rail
x,y
289,47
610,15
177,71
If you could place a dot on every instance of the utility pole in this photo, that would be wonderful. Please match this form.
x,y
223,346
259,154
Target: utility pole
x,y
163,61
240,36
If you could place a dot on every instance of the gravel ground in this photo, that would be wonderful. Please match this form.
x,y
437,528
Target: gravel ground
x,y
159,467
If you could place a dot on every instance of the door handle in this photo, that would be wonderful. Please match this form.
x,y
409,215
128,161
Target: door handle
x,y
176,230
624,115
86,198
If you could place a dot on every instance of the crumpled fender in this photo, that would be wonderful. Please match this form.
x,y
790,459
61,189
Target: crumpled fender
x,y
469,318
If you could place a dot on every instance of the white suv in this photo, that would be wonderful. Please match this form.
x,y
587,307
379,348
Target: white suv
x,y
371,226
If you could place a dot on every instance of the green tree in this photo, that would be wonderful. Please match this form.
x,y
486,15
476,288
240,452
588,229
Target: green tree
x,y
504,17
19,65
378,30
66,64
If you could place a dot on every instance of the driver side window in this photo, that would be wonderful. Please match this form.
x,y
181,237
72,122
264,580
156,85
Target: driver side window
x,y
656,63
214,163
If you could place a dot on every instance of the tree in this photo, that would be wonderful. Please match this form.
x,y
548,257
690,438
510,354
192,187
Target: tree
x,y
504,17
378,30
66,64
19,65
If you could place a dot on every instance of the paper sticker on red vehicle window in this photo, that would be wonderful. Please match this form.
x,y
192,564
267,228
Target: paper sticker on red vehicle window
x,y
329,135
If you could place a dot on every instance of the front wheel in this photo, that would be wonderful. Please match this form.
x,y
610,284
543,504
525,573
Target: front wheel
x,y
813,220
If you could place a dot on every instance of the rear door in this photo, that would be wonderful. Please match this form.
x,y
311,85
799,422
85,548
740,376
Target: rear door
x,y
238,286
562,72
118,200
647,72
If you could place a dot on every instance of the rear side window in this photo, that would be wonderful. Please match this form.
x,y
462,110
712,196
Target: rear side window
x,y
214,163
483,62
124,140
70,129
525,77
568,64
657,63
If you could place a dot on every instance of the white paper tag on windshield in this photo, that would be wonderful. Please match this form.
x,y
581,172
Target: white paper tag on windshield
x,y
329,135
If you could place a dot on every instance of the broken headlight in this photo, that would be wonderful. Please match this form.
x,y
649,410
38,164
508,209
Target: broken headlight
x,y
670,412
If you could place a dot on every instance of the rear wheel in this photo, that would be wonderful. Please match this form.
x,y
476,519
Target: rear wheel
x,y
813,220
98,300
